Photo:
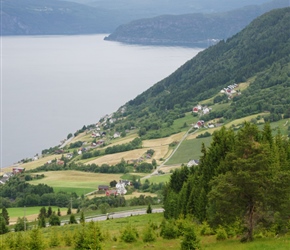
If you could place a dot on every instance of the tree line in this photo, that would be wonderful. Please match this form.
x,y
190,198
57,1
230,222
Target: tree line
x,y
242,183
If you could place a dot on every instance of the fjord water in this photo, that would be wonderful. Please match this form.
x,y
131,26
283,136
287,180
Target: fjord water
x,y
53,85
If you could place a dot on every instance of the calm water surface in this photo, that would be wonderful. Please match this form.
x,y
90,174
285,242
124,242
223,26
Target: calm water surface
x,y
51,86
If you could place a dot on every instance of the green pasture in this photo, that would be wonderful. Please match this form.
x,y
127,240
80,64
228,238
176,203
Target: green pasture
x,y
189,150
159,178
75,181
21,211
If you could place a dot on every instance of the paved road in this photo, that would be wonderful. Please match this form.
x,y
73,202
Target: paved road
x,y
118,215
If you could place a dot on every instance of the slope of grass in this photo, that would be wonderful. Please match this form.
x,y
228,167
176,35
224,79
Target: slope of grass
x,y
112,228
189,150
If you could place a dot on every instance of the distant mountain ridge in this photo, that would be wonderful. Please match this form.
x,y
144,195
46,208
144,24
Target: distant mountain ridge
x,y
56,17
195,30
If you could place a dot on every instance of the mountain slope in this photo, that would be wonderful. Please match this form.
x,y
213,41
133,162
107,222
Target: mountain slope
x,y
262,50
196,29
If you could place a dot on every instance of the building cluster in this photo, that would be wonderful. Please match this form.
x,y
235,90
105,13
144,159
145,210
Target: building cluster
x,y
120,188
229,90
6,176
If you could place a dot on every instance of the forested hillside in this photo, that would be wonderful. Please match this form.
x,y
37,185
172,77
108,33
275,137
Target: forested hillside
x,y
260,54
196,29
242,183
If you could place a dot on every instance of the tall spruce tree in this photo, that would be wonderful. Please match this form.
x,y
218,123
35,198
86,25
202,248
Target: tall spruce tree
x,y
249,189
5,215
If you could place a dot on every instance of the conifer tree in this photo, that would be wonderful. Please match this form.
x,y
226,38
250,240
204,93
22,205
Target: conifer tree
x,y
35,240
42,212
49,212
3,226
5,215
41,221
82,217
149,209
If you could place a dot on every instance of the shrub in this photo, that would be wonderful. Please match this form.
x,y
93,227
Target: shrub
x,y
205,229
72,219
149,234
20,224
129,234
54,220
221,234
36,240
54,240
168,230
190,241
68,239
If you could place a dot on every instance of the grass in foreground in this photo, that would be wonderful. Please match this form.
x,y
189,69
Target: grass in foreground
x,y
112,228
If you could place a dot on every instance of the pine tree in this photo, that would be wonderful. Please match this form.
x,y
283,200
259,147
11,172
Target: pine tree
x,y
5,215
82,217
3,226
49,212
149,209
42,212
41,221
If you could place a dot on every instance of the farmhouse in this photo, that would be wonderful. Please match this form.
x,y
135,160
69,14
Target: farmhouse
x,y
111,192
103,188
17,170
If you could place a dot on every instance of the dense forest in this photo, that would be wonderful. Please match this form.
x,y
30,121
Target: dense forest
x,y
242,183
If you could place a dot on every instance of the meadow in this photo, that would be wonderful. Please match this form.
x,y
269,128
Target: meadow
x,y
75,181
112,230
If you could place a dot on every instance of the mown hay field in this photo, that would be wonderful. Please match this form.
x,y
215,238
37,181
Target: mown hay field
x,y
75,181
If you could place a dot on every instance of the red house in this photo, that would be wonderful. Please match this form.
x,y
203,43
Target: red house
x,y
17,170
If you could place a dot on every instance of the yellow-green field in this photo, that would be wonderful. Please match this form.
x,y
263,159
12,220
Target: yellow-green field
x,y
75,181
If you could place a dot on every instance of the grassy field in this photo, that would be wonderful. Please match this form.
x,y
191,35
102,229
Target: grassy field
x,y
189,150
75,181
29,212
159,178
112,231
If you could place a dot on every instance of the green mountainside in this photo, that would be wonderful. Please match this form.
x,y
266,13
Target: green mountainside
x,y
238,189
260,54
197,29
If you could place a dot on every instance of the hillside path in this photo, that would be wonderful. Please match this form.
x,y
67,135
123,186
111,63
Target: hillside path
x,y
155,172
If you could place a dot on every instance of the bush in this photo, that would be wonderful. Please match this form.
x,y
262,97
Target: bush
x,y
190,241
168,230
205,229
129,234
221,234
20,224
72,219
149,234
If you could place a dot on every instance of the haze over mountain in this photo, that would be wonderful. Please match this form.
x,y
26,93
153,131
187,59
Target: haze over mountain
x,y
54,17
197,29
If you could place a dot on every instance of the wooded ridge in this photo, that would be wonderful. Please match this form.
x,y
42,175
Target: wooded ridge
x,y
193,30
